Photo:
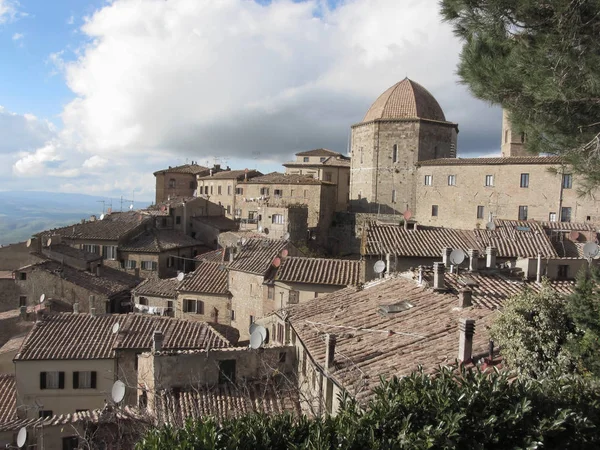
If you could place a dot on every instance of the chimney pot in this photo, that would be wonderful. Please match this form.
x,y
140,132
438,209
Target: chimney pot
x,y
465,298
446,255
491,253
93,312
438,276
330,341
466,329
99,270
157,341
75,308
473,260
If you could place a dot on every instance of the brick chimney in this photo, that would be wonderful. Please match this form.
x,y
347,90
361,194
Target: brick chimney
x,y
490,261
330,340
466,329
446,255
465,298
473,259
157,341
438,276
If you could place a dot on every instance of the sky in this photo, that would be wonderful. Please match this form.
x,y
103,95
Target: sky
x,y
97,95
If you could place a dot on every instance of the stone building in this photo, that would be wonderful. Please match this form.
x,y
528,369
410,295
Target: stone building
x,y
403,126
156,296
325,165
179,181
222,188
280,221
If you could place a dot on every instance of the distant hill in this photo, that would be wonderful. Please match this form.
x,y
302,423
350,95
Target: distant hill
x,y
23,213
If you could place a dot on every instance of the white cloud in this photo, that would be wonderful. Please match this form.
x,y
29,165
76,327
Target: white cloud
x,y
7,10
35,163
18,36
71,20
95,162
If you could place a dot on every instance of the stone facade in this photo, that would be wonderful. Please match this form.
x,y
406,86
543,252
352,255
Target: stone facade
x,y
513,142
217,308
248,291
277,221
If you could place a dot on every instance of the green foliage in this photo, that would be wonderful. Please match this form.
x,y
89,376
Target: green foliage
x,y
533,330
454,408
540,61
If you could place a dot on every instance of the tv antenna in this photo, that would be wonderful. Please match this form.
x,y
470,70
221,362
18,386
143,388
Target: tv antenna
x,y
124,200
118,391
22,437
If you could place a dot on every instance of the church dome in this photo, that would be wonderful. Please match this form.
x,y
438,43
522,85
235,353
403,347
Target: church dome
x,y
405,100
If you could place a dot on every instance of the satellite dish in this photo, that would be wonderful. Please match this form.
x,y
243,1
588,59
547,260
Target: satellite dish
x,y
180,276
457,256
284,252
256,340
591,250
49,243
130,207
253,327
379,266
266,231
574,235
115,328
260,229
407,214
28,243
491,226
286,236
42,298
276,261
101,216
262,331
244,241
21,437
118,391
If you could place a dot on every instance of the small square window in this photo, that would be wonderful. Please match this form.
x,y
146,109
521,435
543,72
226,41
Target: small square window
x,y
480,212
434,210
22,300
428,180
563,271
489,180
322,159
524,180
177,220
22,276
567,182
565,214
451,180
522,212
305,159
45,413
552,217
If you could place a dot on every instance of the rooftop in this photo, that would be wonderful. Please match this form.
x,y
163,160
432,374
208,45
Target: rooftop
x,y
82,336
12,345
222,223
257,255
335,272
158,240
286,178
193,169
330,161
492,161
319,152
232,175
157,287
212,256
405,100
8,398
72,252
209,278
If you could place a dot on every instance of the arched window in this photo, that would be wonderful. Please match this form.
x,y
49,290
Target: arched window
x,y
395,153
172,183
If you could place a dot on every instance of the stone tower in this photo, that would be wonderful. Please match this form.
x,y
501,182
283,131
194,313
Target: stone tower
x,y
512,141
405,125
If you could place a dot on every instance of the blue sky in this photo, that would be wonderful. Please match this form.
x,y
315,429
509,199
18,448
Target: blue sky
x,y
97,95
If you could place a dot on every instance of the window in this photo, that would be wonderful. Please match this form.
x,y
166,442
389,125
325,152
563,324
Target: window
x,y
84,380
70,443
563,271
522,212
149,265
428,180
170,261
22,300
434,210
177,220
395,153
143,301
293,297
451,180
251,320
480,212
130,264
201,190
238,212
109,251
565,214
552,217
239,191
192,185
524,180
228,209
322,159
43,413
211,189
172,183
305,193
264,191
277,218
227,371
393,195
280,333
232,315
219,190
270,292
22,276
229,190
305,159
489,180
278,192
327,176
91,248
567,181
199,307
52,380
193,306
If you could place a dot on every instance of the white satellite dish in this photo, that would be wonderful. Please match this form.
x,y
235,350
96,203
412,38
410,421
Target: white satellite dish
x,y
491,226
180,276
21,437
260,229
130,207
457,256
101,216
49,243
262,331
591,250
115,328
379,266
256,340
28,243
253,327
118,391
286,236
244,241
42,298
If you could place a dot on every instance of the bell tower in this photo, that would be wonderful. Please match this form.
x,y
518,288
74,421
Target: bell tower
x,y
513,142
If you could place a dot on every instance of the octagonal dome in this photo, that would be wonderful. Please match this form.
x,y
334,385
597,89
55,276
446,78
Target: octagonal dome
x,y
405,100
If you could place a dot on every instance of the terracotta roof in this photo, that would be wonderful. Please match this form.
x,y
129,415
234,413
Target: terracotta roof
x,y
429,241
8,398
319,152
286,178
157,287
212,256
225,402
156,241
569,249
222,223
112,228
232,175
372,343
571,226
257,255
495,161
161,208
13,344
6,274
72,252
405,100
209,278
82,336
329,162
337,272
193,169
111,281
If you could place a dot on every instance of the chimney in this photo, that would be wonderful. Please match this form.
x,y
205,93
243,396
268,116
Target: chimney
x,y
538,274
465,298
92,218
230,254
438,276
157,341
75,308
330,340
473,259
466,329
210,172
420,275
490,262
92,302
446,255
93,312
99,270
23,312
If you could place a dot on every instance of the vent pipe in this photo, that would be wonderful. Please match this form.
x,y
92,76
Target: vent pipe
x,y
93,312
465,298
490,261
99,270
438,276
466,329
538,274
75,308
157,341
330,340
473,259
446,255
